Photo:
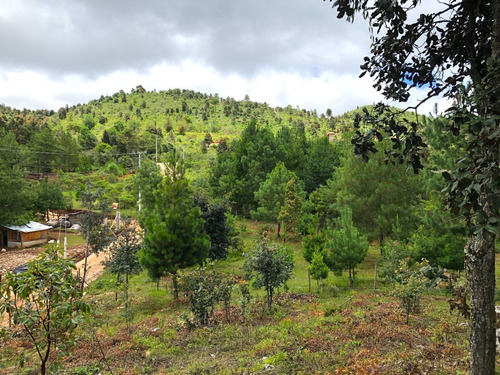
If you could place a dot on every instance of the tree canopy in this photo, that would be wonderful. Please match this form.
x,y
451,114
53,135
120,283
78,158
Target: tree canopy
x,y
452,50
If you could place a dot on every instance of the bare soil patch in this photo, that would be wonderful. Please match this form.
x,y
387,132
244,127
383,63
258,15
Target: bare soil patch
x,y
11,258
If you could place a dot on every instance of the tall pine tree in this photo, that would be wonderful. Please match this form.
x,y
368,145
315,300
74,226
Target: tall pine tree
x,y
174,238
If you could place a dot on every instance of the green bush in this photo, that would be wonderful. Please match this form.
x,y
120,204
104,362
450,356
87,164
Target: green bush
x,y
440,249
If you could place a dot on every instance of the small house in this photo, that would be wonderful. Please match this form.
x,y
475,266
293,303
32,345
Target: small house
x,y
332,136
21,236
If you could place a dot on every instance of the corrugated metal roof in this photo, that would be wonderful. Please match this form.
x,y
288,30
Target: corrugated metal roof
x,y
32,226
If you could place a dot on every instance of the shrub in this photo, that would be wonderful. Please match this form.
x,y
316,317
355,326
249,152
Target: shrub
x,y
409,286
269,266
47,306
204,289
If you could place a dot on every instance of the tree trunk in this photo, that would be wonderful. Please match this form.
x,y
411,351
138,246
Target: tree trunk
x,y
269,298
381,243
279,230
480,266
85,264
309,279
480,250
175,286
351,284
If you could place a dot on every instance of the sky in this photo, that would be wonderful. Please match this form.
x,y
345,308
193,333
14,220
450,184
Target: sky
x,y
282,52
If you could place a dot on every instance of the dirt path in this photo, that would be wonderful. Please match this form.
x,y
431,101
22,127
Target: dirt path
x,y
95,268
12,258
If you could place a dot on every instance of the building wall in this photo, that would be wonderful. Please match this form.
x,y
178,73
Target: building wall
x,y
19,239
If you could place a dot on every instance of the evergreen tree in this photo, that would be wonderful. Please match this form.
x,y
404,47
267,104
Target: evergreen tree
x,y
271,194
320,162
318,268
124,261
254,158
216,226
17,197
145,183
49,196
378,194
289,214
348,247
174,238
313,243
70,157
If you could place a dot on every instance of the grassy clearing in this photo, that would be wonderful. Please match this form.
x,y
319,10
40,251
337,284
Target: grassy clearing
x,y
338,331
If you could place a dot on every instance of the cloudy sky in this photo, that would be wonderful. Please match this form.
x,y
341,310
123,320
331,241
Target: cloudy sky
x,y
58,52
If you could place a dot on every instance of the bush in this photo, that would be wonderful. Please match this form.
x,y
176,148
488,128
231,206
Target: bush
x,y
394,253
204,289
445,250
269,266
409,286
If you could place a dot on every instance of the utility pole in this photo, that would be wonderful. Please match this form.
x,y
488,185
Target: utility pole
x,y
156,134
65,242
140,206
118,217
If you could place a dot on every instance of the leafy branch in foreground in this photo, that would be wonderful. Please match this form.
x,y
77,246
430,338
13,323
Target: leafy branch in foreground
x,y
46,303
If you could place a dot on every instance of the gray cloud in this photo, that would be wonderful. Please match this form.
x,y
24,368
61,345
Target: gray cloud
x,y
94,37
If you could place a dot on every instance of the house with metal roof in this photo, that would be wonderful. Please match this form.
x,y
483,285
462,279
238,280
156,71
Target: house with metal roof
x,y
26,235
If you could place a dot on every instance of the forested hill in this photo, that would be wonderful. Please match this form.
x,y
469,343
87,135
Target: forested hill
x,y
241,153
86,137
182,112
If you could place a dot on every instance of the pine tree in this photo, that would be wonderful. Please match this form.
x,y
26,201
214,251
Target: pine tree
x,y
348,247
318,268
174,237
271,194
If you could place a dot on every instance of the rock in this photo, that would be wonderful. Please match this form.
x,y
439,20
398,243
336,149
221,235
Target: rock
x,y
76,227
268,367
498,341
4,250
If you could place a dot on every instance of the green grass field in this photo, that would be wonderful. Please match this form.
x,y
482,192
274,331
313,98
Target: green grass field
x,y
336,331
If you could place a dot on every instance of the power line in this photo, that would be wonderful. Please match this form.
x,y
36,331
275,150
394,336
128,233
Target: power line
x,y
32,151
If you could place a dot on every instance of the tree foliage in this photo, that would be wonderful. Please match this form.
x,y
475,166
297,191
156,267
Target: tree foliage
x,y
46,303
269,266
49,197
348,247
216,225
290,212
174,237
318,268
378,194
96,234
444,51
